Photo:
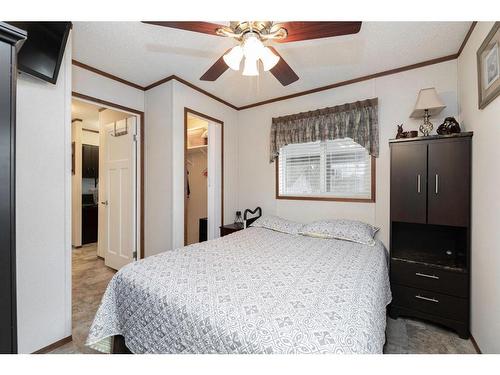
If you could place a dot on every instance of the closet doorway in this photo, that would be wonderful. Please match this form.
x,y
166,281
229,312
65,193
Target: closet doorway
x,y
203,177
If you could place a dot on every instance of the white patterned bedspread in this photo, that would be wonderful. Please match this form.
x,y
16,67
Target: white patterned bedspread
x,y
254,291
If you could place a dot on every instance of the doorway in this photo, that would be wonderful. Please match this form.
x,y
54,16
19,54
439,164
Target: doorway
x,y
106,203
203,177
104,182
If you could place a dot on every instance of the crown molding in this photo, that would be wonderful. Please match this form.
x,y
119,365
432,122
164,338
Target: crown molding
x,y
354,80
284,97
105,74
467,36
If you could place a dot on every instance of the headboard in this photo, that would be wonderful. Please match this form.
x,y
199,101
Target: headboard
x,y
257,212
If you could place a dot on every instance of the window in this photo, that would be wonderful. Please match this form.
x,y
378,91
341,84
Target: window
x,y
340,169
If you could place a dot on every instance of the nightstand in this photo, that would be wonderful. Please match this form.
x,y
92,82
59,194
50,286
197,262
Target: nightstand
x,y
230,228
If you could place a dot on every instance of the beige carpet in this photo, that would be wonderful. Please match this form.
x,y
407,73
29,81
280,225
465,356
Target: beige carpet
x,y
91,276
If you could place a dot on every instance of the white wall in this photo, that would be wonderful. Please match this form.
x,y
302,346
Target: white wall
x,y
164,167
397,95
88,83
89,138
43,208
184,96
158,170
485,274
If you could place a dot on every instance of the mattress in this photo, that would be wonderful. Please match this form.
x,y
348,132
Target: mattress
x,y
254,291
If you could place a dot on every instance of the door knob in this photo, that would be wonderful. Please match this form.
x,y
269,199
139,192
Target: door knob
x,y
105,203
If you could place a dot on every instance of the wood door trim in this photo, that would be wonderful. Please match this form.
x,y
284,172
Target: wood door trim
x,y
373,188
213,119
77,95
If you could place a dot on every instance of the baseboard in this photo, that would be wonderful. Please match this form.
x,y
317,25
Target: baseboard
x,y
77,247
474,343
54,345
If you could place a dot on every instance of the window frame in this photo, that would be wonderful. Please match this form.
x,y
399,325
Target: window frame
x,y
323,198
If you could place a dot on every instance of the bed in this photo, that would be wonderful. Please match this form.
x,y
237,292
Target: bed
x,y
254,291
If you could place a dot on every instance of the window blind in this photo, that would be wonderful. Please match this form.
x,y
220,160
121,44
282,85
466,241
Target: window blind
x,y
339,168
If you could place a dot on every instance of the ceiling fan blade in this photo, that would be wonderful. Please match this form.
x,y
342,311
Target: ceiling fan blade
x,y
216,70
282,71
199,27
314,30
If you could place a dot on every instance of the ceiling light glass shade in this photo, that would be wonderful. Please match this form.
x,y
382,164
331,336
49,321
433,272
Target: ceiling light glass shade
x,y
233,57
250,68
269,59
252,46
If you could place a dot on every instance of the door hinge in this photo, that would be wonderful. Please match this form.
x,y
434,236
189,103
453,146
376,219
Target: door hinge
x,y
135,138
134,255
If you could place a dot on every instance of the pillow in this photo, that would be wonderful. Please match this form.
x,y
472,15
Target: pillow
x,y
342,229
278,224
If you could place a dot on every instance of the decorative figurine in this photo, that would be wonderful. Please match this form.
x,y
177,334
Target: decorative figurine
x,y
401,133
449,126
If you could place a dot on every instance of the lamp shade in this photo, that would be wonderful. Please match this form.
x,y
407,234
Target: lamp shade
x,y
430,100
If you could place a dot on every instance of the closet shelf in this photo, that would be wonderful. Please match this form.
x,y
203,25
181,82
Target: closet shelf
x,y
193,148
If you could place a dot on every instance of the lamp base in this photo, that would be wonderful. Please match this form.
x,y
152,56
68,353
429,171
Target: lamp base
x,y
427,126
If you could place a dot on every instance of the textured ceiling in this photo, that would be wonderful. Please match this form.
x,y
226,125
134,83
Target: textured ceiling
x,y
144,54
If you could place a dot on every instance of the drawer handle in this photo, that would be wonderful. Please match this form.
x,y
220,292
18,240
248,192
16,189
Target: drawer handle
x,y
427,299
428,276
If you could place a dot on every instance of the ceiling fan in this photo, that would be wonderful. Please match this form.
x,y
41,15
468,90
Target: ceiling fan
x,y
251,36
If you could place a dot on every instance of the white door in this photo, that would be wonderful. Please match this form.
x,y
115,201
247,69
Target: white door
x,y
214,179
120,193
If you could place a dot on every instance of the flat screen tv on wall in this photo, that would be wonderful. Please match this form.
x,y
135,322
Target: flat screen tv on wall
x,y
42,53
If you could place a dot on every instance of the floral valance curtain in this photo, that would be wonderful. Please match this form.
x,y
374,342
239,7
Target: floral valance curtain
x,y
358,121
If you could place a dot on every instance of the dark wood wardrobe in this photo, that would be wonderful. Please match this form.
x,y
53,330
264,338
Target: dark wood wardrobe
x,y
11,39
430,229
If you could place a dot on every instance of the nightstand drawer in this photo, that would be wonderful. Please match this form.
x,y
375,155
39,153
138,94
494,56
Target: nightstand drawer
x,y
430,278
430,302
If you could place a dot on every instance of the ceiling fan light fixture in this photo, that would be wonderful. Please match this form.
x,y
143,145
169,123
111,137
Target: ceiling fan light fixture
x,y
250,68
268,58
252,46
233,57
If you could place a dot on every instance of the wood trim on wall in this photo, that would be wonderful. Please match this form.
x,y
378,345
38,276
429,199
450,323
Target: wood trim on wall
x,y
213,119
107,75
351,81
54,345
142,127
372,199
475,345
466,39
285,97
189,84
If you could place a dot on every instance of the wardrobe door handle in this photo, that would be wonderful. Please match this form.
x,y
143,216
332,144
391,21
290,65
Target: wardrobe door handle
x,y
418,183
427,299
426,275
437,183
